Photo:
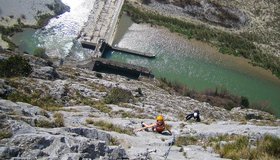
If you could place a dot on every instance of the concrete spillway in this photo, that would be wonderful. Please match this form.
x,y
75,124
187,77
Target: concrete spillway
x,y
105,65
102,22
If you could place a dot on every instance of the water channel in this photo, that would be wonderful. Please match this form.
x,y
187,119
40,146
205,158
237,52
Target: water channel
x,y
195,64
58,36
189,62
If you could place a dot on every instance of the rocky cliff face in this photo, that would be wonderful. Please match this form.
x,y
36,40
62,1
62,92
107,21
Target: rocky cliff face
x,y
211,12
256,21
71,113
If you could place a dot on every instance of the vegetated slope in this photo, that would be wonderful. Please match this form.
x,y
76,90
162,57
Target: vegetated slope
x,y
248,29
263,23
62,112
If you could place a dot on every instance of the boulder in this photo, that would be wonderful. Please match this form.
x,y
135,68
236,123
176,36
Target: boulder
x,y
45,72
60,7
5,89
9,152
60,144
90,133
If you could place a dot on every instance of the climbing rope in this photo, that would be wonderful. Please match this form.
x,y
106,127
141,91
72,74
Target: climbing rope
x,y
170,145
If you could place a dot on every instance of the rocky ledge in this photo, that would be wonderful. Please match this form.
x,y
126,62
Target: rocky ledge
x,y
204,10
70,113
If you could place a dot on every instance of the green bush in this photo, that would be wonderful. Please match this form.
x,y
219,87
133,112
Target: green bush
x,y
244,102
235,150
9,30
46,102
15,66
89,121
44,124
185,140
58,120
266,148
118,95
270,145
101,106
5,134
113,141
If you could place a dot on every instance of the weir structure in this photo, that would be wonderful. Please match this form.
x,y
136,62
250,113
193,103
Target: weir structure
x,y
101,22
98,35
105,65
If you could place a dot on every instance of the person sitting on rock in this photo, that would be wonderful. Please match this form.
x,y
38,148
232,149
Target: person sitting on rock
x,y
159,126
194,115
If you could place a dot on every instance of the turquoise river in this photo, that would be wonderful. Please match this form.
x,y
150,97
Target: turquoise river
x,y
189,62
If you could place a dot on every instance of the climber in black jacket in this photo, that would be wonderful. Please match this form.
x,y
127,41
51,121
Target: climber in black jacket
x,y
194,115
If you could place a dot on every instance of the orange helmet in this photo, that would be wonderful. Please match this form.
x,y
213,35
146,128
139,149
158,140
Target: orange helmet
x,y
159,118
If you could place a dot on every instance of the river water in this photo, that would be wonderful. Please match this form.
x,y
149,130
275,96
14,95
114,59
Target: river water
x,y
189,62
58,36
195,64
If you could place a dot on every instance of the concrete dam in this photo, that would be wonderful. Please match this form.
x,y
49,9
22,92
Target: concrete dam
x,y
98,35
102,22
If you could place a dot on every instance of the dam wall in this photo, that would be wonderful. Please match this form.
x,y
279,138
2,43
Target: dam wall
x,y
102,22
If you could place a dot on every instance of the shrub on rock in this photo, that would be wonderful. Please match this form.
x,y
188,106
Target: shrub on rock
x,y
15,66
118,95
244,102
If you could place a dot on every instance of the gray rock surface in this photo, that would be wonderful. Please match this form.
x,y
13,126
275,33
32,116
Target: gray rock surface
x,y
203,10
78,95
5,89
47,72
199,153
29,142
